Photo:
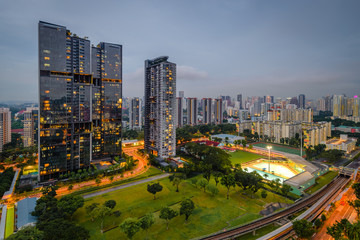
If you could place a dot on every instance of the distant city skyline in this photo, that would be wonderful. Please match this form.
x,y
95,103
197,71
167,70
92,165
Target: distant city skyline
x,y
279,48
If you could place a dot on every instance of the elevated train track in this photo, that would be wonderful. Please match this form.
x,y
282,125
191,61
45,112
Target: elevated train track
x,y
323,194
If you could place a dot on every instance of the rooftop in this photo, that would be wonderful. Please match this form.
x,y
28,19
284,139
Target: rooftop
x,y
24,209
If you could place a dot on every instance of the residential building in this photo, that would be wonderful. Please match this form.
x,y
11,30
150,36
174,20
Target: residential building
x,y
31,126
135,118
218,111
339,105
301,101
179,112
207,109
160,107
239,99
80,95
5,127
192,111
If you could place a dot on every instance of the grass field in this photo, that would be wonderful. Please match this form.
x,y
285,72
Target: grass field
x,y
10,218
211,214
279,148
243,157
322,181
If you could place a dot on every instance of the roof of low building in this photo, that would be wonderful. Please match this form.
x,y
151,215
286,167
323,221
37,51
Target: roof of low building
x,y
24,209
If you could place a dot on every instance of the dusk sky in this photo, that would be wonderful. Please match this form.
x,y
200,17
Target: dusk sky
x,y
257,48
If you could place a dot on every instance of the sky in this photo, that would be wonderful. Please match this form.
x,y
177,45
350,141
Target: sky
x,y
225,47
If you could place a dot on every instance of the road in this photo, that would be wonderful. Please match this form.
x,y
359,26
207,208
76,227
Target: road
x,y
125,185
342,210
141,167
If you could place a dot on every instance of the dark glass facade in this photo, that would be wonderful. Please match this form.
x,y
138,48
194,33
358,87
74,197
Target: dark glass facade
x,y
80,91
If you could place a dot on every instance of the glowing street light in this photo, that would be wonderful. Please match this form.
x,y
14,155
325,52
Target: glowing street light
x,y
269,148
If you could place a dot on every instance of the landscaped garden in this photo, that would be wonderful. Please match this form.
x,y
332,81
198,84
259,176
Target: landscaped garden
x,y
211,213
280,148
239,157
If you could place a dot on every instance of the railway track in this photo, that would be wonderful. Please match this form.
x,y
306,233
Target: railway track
x,y
337,183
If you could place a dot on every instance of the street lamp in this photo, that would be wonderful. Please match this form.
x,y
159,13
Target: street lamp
x,y
269,148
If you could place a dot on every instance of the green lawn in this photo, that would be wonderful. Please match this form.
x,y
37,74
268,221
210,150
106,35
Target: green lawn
x,y
210,215
243,157
322,181
10,215
280,148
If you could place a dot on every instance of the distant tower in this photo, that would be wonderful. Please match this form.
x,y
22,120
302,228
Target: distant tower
x,y
192,111
31,121
181,94
135,114
179,111
219,112
5,127
207,110
239,99
160,105
302,101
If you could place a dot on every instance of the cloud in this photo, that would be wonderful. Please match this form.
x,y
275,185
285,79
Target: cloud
x,y
190,73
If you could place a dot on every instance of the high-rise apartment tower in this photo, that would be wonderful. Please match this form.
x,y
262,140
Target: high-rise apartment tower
x,y
80,95
160,107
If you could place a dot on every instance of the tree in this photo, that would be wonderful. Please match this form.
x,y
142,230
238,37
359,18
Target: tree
x,y
111,178
264,194
344,230
303,229
217,175
203,183
70,187
154,188
69,204
356,205
286,189
243,142
207,176
194,181
317,223
250,146
176,182
146,222
98,181
212,189
228,181
63,229
110,204
187,207
356,187
130,227
167,214
89,210
27,233
101,212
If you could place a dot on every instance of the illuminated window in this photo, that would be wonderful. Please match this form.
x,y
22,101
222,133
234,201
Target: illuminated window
x,y
46,51
46,65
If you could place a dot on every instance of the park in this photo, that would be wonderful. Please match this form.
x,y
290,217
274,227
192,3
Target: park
x,y
213,212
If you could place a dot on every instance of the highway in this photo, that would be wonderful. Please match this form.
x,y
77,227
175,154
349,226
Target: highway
x,y
332,187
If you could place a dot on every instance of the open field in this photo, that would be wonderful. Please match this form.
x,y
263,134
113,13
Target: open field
x,y
243,157
322,181
10,218
280,148
211,214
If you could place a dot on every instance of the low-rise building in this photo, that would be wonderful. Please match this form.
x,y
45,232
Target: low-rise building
x,y
343,143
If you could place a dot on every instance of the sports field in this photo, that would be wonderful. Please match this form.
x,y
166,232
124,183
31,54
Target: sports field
x,y
211,213
243,157
280,148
